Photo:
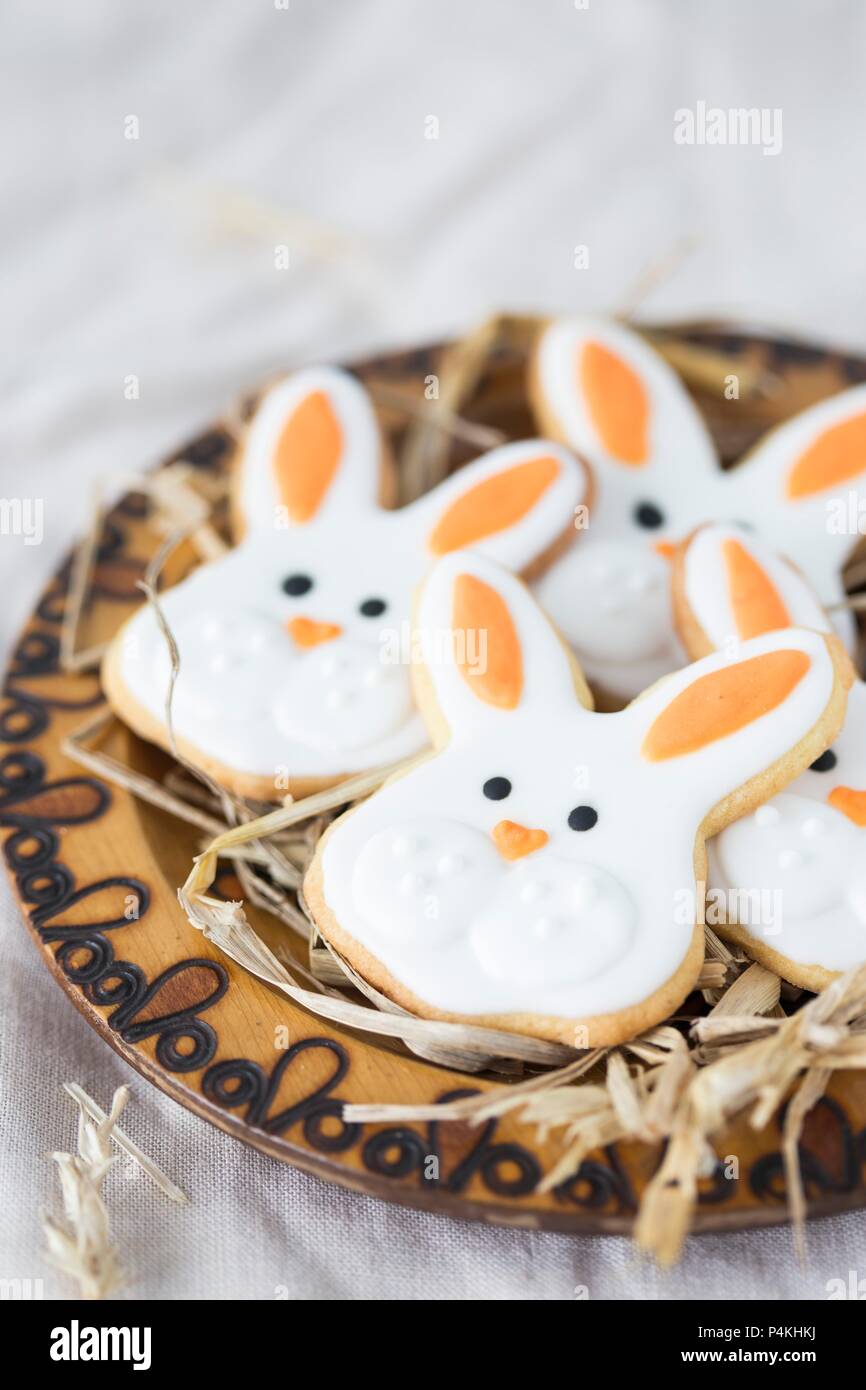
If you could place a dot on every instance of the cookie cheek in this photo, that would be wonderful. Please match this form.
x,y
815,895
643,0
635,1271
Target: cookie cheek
x,y
226,663
342,695
857,893
612,600
421,882
552,922
795,846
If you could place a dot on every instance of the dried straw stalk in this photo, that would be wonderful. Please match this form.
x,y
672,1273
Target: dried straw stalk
x,y
179,507
442,418
424,460
81,1246
825,1034
145,788
83,562
671,1096
126,1145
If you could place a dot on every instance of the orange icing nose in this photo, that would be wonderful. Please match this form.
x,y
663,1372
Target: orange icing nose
x,y
513,840
306,633
852,804
665,549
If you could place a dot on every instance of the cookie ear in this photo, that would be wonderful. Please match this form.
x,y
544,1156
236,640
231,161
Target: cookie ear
x,y
485,648
718,724
602,389
729,586
313,447
805,485
834,458
513,505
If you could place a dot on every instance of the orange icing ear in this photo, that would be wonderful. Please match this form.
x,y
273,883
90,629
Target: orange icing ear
x,y
717,705
852,804
835,456
492,505
617,401
756,603
308,455
496,676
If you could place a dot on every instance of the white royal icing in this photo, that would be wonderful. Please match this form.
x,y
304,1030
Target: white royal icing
x,y
708,590
594,920
611,587
247,696
794,872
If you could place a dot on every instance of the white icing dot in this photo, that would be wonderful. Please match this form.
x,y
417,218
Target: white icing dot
x,y
412,883
790,859
640,581
211,630
449,864
767,815
611,603
222,661
812,827
532,890
373,676
256,641
543,927
336,699
401,845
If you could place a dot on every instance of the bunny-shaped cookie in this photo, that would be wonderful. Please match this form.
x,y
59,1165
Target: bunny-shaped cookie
x,y
602,389
294,664
537,871
791,878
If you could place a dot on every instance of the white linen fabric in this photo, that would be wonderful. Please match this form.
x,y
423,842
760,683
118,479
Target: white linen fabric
x,y
305,125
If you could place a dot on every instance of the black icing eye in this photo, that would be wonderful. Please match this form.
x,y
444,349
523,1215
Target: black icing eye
x,y
372,607
496,788
582,818
826,762
649,515
297,584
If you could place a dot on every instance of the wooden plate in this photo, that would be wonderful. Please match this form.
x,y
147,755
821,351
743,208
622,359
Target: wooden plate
x,y
96,871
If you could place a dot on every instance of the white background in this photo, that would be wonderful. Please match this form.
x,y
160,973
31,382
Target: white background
x,y
155,257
